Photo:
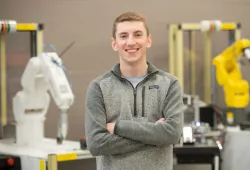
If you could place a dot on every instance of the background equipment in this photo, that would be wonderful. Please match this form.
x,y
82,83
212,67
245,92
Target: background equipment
x,y
43,74
228,75
43,77
183,45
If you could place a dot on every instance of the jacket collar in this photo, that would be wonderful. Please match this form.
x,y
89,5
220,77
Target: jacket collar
x,y
151,69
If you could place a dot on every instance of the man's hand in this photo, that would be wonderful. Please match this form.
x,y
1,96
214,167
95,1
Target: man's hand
x,y
160,120
110,127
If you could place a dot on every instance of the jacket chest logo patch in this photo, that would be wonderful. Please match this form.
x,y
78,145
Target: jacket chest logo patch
x,y
154,86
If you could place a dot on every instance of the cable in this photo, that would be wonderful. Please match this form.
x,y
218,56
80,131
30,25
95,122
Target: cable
x,y
65,70
68,74
49,45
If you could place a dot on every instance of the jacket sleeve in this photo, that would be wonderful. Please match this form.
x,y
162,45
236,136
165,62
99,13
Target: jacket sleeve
x,y
99,140
159,134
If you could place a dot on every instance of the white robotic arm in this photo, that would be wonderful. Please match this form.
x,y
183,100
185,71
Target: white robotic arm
x,y
43,75
59,87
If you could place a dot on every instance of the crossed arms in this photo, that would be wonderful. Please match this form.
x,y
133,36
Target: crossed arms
x,y
128,136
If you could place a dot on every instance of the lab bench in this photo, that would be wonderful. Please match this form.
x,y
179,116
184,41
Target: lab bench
x,y
198,154
45,156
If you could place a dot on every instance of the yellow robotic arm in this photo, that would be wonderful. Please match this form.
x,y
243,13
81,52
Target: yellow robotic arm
x,y
228,74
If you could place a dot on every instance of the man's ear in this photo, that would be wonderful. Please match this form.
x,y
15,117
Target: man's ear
x,y
113,44
149,43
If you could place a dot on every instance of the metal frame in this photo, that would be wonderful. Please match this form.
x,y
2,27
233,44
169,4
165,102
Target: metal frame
x,y
36,42
176,52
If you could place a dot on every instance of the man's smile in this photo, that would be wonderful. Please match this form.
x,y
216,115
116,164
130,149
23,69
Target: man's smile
x,y
132,50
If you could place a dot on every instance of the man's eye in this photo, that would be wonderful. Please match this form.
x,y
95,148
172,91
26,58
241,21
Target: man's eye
x,y
123,36
138,35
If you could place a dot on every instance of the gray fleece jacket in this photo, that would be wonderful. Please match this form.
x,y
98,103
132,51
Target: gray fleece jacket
x,y
138,142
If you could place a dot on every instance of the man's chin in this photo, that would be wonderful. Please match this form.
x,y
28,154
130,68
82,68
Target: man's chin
x,y
132,61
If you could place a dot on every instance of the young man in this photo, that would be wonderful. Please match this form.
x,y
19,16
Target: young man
x,y
134,112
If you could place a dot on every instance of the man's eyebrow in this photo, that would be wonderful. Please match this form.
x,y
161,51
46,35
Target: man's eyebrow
x,y
138,31
123,32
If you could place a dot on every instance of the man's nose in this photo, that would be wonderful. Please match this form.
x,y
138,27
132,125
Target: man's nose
x,y
130,41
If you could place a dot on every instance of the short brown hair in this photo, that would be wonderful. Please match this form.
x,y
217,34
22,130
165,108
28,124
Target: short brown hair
x,y
129,16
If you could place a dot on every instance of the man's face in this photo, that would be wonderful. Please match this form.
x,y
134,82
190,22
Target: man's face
x,y
131,41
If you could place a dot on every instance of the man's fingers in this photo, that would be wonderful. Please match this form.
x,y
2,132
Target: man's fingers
x,y
110,127
161,120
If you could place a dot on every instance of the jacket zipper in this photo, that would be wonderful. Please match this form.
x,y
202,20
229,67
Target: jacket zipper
x,y
135,95
135,92
143,101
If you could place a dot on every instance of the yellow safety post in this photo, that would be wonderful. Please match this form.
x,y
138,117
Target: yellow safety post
x,y
53,159
171,50
3,83
237,32
43,165
52,162
208,66
179,57
39,42
193,63
175,45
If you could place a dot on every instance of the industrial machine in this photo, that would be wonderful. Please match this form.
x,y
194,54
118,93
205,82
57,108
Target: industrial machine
x,y
228,75
10,163
43,74
236,92
26,147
